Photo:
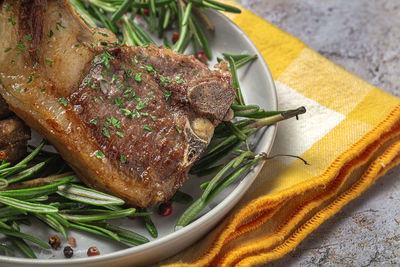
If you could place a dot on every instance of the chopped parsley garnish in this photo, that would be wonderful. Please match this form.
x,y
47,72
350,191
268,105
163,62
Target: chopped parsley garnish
x,y
145,58
138,77
140,105
104,58
94,121
114,78
7,49
43,90
28,37
150,68
153,117
165,80
125,111
63,101
128,90
21,45
108,122
59,24
118,102
11,20
130,73
50,34
119,85
116,123
8,9
99,154
48,62
106,133
104,34
178,129
167,94
178,79
147,128
30,78
123,159
120,134
87,82
135,59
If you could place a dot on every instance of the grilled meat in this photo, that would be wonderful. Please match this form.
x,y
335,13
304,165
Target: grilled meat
x,y
14,135
129,120
4,111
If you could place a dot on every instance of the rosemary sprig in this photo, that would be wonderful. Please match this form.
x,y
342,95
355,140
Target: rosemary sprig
x,y
23,246
126,4
6,248
184,11
214,187
181,197
88,196
83,12
235,82
231,142
25,161
24,236
49,198
188,15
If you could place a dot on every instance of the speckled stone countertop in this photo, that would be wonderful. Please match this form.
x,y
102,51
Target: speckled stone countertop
x,y
363,36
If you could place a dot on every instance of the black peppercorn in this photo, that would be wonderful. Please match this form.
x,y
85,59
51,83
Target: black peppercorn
x,y
55,241
68,252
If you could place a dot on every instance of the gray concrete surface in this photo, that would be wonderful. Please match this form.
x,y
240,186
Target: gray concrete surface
x,y
363,36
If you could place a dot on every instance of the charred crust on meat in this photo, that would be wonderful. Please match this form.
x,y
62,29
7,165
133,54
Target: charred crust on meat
x,y
31,18
13,130
211,98
14,135
4,111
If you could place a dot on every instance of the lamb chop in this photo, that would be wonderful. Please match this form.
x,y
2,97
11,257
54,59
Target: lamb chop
x,y
130,121
4,111
14,135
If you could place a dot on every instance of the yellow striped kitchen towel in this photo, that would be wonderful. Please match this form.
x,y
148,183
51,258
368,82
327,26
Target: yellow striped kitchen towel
x,y
350,135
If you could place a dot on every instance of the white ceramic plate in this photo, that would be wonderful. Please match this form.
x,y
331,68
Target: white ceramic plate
x,y
258,88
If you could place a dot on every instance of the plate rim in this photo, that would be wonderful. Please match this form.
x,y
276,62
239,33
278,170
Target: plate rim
x,y
239,191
